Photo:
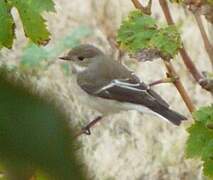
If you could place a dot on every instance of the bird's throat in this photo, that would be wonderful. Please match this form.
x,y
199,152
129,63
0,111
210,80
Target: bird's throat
x,y
78,68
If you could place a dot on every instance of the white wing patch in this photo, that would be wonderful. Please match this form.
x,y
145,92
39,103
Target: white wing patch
x,y
122,84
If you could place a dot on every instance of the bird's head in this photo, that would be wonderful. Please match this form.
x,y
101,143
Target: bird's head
x,y
82,54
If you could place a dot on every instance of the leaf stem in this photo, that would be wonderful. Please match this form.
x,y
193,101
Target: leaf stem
x,y
164,80
179,86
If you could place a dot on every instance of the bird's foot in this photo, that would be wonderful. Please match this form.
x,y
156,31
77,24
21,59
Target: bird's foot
x,y
86,130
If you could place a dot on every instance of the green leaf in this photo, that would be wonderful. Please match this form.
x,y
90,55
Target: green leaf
x,y
200,140
33,23
42,5
140,31
167,40
208,151
208,168
204,114
136,31
7,25
35,134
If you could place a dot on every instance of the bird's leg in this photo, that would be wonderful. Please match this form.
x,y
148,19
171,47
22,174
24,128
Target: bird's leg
x,y
164,80
86,129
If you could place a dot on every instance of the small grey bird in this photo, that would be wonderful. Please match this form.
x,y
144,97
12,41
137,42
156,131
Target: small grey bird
x,y
109,87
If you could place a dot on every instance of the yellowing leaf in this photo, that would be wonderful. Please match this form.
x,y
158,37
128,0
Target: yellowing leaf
x,y
6,25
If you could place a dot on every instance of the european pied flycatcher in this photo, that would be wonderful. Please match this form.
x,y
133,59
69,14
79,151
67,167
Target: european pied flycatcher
x,y
109,87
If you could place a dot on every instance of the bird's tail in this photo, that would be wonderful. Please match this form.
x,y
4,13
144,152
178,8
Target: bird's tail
x,y
173,116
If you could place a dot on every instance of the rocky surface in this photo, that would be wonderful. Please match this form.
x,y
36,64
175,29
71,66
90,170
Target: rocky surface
x,y
128,145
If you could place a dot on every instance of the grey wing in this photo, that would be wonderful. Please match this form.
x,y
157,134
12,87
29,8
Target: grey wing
x,y
126,90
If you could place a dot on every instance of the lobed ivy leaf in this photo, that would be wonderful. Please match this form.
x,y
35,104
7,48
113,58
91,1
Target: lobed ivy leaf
x,y
7,25
200,140
139,32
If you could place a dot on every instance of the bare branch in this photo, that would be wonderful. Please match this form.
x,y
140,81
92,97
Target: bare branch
x,y
207,44
179,86
186,59
144,9
163,81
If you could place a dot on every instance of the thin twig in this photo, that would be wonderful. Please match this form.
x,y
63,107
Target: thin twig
x,y
144,9
186,59
86,129
162,81
172,73
179,86
207,44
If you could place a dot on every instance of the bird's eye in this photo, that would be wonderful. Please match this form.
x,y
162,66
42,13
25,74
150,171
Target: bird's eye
x,y
81,58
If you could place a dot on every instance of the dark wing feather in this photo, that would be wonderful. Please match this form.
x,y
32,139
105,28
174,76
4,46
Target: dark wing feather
x,y
128,89
132,91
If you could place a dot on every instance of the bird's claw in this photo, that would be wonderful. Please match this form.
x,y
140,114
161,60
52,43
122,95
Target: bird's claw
x,y
86,131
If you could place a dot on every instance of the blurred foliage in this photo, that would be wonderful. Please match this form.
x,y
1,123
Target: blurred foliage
x,y
140,31
176,1
30,13
36,57
192,1
200,141
35,134
210,2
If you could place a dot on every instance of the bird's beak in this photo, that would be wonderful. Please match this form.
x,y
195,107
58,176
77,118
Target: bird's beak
x,y
64,58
